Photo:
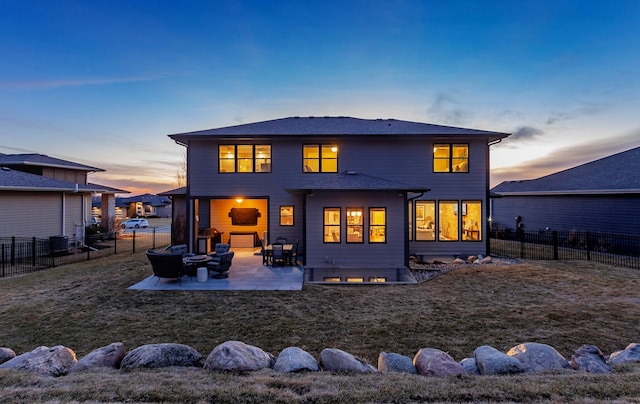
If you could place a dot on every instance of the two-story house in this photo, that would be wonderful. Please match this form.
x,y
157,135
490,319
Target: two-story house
x,y
43,196
355,192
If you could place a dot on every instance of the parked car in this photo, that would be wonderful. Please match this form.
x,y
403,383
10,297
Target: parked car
x,y
134,223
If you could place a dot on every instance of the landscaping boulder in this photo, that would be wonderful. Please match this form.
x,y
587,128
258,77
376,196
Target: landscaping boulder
x,y
393,362
238,356
434,362
294,359
490,361
631,354
161,356
486,260
108,356
6,354
588,358
536,357
470,366
54,361
336,360
458,261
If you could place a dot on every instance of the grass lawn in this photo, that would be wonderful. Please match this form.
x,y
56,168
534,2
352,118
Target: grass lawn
x,y
86,305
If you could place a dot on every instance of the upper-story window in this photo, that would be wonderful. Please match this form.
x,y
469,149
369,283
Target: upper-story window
x,y
244,158
451,158
320,158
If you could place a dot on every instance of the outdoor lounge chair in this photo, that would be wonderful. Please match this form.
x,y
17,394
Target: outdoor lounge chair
x,y
219,249
168,266
222,266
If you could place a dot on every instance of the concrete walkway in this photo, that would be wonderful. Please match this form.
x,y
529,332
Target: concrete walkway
x,y
247,273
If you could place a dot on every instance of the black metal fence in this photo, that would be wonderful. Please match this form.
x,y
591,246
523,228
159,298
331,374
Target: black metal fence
x,y
19,255
612,249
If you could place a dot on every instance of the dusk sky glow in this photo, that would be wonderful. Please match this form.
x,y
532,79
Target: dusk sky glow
x,y
104,82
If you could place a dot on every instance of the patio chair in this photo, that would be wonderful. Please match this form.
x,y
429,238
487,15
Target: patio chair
x,y
265,253
168,266
281,240
180,249
219,248
277,254
221,267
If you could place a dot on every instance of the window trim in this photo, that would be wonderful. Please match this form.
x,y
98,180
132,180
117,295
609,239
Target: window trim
x,y
325,225
236,159
435,220
464,212
450,158
361,226
281,216
305,167
372,226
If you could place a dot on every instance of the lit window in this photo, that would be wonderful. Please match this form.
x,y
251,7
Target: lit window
x,y
471,220
320,158
244,158
425,221
331,225
355,225
377,225
286,215
448,221
449,158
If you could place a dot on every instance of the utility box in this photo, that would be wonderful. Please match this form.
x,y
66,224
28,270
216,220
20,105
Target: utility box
x,y
58,244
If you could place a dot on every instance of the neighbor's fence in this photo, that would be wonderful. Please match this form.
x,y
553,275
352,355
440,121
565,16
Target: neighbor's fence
x,y
19,255
612,249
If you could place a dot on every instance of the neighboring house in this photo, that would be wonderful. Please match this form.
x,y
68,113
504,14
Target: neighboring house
x,y
146,205
355,192
42,196
600,196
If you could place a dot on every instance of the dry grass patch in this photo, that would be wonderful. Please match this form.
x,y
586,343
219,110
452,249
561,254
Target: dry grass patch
x,y
84,306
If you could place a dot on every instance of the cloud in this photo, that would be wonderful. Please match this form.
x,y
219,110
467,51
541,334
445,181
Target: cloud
x,y
586,109
446,110
52,84
526,133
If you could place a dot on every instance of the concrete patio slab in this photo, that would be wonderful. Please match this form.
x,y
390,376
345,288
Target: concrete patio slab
x,y
247,273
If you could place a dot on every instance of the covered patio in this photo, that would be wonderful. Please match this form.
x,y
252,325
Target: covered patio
x,y
247,273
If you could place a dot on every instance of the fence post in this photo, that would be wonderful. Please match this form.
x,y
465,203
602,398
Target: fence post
x,y
115,243
153,243
33,252
13,250
521,237
3,259
588,246
133,244
554,241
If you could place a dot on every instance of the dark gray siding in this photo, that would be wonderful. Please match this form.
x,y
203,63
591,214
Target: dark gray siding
x,y
369,255
615,214
396,158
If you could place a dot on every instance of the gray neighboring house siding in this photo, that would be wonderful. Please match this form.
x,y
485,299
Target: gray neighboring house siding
x,y
599,196
398,153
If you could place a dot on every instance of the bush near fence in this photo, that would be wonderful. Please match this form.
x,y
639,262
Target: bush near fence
x,y
612,249
19,255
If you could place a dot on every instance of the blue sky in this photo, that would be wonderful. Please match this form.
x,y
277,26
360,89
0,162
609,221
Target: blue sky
x,y
103,82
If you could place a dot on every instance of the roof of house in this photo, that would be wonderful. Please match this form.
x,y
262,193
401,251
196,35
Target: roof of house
x,y
13,180
351,180
342,125
148,199
617,173
42,160
174,192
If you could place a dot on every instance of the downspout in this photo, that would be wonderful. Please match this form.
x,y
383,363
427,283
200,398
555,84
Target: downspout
x,y
406,225
488,197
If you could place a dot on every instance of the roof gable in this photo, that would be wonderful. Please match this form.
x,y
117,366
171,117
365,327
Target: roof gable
x,y
318,126
615,173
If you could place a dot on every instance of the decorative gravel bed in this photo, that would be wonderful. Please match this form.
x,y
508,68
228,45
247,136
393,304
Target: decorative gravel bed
x,y
424,271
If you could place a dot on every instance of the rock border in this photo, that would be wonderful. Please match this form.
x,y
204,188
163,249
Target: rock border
x,y
237,356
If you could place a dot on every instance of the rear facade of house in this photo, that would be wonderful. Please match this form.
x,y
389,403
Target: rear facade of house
x,y
352,192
